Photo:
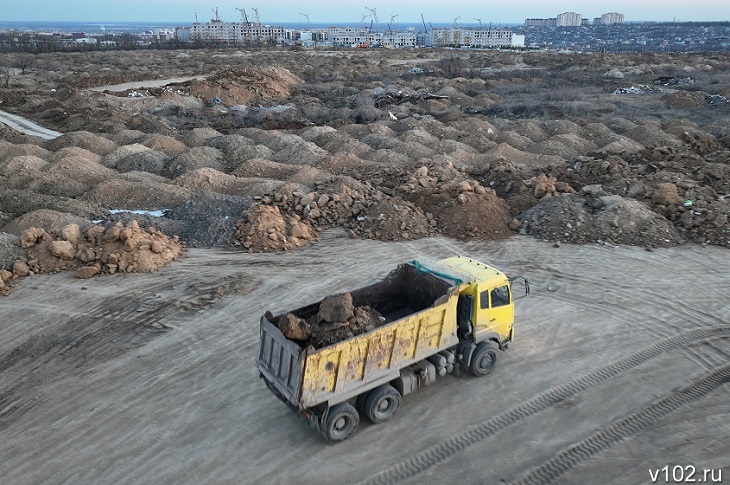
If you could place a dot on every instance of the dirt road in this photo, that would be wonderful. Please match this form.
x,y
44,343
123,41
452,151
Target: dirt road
x,y
28,127
619,367
150,83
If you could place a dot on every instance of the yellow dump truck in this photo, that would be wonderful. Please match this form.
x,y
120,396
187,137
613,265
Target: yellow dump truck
x,y
439,318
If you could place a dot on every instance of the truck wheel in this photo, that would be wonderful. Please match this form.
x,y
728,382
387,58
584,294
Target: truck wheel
x,y
381,403
341,423
483,359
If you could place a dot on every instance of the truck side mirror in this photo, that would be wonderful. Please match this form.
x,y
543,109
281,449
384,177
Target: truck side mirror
x,y
526,284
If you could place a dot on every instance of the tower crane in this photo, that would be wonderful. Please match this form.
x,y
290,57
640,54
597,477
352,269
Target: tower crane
x,y
392,18
375,17
244,17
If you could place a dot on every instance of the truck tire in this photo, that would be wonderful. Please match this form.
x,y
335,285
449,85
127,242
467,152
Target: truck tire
x,y
341,422
381,403
483,359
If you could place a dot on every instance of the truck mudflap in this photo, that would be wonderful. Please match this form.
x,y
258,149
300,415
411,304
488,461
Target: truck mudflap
x,y
281,364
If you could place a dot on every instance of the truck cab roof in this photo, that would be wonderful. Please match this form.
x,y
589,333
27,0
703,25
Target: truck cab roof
x,y
475,271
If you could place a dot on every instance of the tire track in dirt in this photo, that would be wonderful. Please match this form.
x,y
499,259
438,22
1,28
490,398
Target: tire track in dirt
x,y
623,428
452,446
111,327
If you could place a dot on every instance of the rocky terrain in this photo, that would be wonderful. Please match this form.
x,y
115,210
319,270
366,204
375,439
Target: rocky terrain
x,y
387,145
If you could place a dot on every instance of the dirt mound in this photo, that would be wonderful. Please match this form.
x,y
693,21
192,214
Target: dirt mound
x,y
197,157
263,168
142,195
532,129
95,250
338,142
593,216
247,86
83,170
205,178
305,153
149,161
309,134
309,176
683,100
456,205
83,139
527,160
166,144
349,164
17,202
127,137
208,219
198,137
48,219
650,135
22,164
112,159
75,153
10,150
264,229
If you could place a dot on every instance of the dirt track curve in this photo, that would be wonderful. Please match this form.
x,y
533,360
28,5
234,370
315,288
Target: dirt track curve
x,y
620,365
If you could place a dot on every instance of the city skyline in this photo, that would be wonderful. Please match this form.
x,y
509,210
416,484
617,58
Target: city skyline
x,y
319,11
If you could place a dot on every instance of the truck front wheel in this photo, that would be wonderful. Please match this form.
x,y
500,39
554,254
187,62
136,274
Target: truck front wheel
x,y
381,403
483,359
341,422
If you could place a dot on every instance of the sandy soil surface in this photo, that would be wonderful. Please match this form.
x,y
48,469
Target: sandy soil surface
x,y
619,367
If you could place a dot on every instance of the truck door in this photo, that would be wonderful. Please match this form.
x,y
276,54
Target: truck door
x,y
495,311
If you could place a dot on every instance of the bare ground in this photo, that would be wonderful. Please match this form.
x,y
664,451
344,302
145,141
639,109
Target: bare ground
x,y
151,378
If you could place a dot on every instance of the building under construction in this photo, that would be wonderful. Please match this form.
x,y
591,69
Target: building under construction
x,y
246,32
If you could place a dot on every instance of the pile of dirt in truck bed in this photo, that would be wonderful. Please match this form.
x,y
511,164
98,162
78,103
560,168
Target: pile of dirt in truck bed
x,y
118,249
338,319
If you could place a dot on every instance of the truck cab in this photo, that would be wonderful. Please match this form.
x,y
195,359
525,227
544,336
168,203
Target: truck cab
x,y
486,305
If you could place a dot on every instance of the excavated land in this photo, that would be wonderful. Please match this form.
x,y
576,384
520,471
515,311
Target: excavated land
x,y
146,225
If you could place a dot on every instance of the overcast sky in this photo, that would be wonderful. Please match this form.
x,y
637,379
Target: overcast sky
x,y
327,11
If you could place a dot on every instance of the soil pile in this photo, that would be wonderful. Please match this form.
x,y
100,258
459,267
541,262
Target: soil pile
x,y
593,216
457,205
264,228
94,251
247,86
338,319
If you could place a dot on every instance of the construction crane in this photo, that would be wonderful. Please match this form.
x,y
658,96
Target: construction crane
x,y
375,17
306,16
244,17
424,23
362,21
456,19
196,17
392,18
479,20
256,14
215,12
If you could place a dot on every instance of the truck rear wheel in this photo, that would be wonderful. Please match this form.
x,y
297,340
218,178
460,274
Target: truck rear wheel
x,y
381,403
483,359
341,423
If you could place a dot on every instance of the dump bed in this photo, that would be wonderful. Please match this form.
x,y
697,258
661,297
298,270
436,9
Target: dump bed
x,y
421,307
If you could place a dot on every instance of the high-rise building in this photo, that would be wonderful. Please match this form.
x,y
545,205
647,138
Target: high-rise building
x,y
611,18
569,19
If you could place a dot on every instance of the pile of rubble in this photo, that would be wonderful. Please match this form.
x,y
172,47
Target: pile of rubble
x,y
338,319
118,249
